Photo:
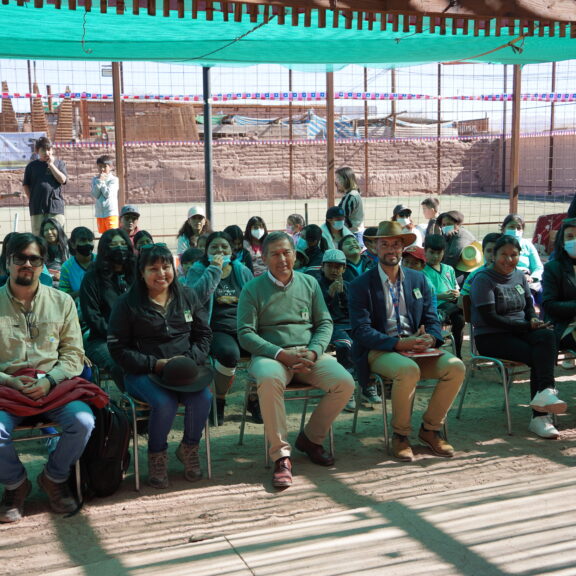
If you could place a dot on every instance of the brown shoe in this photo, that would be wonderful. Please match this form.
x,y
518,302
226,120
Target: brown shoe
x,y
12,505
158,469
282,475
435,442
189,456
401,449
59,495
315,452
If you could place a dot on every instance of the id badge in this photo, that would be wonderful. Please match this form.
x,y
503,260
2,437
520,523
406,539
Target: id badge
x,y
188,315
304,314
417,293
520,289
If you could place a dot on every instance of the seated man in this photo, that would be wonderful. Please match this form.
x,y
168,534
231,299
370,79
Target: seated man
x,y
39,334
443,278
392,319
284,324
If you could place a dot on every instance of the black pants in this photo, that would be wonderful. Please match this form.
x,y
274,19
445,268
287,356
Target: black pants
x,y
536,348
455,317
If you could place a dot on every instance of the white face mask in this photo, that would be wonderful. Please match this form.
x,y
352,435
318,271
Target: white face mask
x,y
257,233
403,221
516,233
570,247
338,224
447,229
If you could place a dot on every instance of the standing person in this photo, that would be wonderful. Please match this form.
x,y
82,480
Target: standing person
x,y
506,326
254,237
222,314
284,324
196,225
74,269
110,277
403,215
351,202
104,190
43,181
44,338
159,336
430,209
393,321
129,217
57,241
294,225
333,229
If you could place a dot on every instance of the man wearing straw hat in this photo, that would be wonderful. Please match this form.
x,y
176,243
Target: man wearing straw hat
x,y
396,333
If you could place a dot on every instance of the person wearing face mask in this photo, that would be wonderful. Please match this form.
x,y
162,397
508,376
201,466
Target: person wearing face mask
x,y
254,237
108,278
334,229
559,286
529,261
403,215
242,255
294,225
457,238
74,269
222,311
313,244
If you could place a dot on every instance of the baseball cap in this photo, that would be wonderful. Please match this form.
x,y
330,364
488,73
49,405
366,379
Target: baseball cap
x,y
196,211
129,209
399,208
416,252
334,255
334,212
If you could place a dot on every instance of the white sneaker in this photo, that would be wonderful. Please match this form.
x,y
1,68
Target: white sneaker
x,y
568,364
547,401
542,426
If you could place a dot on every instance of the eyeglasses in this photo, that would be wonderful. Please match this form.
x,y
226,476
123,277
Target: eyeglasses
x,y
21,259
32,325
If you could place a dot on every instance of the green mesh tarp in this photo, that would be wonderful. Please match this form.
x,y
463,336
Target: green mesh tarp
x,y
48,33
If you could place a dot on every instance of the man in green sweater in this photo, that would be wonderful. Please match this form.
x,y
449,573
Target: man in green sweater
x,y
284,324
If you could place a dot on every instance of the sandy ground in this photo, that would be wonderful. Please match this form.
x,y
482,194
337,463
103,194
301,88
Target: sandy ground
x,y
503,505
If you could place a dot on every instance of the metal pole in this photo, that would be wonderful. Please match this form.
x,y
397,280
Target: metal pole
x,y
551,140
515,147
366,150
208,142
393,102
439,133
330,136
504,141
119,131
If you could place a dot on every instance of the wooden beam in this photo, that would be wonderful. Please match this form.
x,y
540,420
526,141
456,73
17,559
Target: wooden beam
x,y
330,148
515,144
119,130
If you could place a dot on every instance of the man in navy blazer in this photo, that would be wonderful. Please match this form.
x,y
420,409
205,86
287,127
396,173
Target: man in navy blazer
x,y
396,333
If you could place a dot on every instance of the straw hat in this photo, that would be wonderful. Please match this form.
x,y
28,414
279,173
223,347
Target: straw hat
x,y
471,257
389,229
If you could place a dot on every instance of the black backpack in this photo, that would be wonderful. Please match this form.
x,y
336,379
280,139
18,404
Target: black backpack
x,y
106,457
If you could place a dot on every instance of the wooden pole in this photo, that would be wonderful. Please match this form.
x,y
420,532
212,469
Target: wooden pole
x,y
290,137
515,144
393,102
119,131
504,123
439,133
366,148
552,128
330,136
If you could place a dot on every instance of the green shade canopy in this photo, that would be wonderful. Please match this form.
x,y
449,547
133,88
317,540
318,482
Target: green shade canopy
x,y
63,34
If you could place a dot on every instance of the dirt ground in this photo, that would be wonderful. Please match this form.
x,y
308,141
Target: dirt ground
x,y
239,498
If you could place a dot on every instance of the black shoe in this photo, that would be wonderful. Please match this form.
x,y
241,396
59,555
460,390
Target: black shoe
x,y
253,406
220,404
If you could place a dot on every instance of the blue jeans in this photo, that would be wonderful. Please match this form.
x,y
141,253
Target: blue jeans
x,y
76,421
163,407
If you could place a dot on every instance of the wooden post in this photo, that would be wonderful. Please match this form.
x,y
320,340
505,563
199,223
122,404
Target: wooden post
x,y
119,131
439,133
552,128
504,139
515,145
393,102
330,136
366,149
290,137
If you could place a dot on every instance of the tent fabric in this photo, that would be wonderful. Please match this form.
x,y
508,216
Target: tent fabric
x,y
49,33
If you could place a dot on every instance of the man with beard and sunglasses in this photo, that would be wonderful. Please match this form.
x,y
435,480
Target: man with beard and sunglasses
x,y
40,347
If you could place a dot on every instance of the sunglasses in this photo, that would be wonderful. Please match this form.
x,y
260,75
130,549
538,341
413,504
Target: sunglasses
x,y
150,246
21,259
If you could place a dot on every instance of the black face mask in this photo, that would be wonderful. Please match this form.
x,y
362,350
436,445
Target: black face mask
x,y
85,249
118,254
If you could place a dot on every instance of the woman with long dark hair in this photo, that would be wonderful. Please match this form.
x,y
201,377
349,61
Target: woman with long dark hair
x,y
254,236
159,335
195,226
109,277
52,231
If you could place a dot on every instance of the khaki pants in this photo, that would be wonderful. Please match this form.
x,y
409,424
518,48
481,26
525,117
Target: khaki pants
x,y
405,374
272,377
36,221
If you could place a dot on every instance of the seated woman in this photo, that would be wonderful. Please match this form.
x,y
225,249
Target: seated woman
x,y
222,309
196,224
529,262
237,236
506,326
74,269
356,262
109,277
559,286
333,229
254,237
456,238
313,244
52,231
157,321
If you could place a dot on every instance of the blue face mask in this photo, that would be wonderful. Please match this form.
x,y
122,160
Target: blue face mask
x,y
570,247
516,233
225,259
301,245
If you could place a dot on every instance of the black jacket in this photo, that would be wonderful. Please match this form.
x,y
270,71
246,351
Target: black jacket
x,y
139,334
559,294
